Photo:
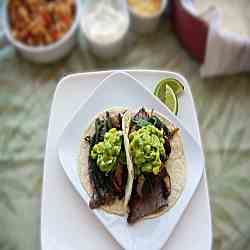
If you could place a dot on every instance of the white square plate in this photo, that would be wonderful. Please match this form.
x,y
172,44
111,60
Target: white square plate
x,y
127,91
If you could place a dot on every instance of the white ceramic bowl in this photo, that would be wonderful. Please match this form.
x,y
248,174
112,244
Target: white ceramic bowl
x,y
146,23
110,50
42,54
102,49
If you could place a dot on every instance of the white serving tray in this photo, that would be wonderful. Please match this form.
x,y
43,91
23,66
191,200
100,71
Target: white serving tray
x,y
67,223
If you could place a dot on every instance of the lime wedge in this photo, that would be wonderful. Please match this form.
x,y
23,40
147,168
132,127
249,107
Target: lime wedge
x,y
160,90
167,96
167,90
171,100
176,86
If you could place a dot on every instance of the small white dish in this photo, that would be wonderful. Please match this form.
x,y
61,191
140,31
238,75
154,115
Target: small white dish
x,y
105,41
146,23
42,54
127,91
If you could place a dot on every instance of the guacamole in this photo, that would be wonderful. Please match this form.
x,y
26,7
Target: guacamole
x,y
106,152
147,148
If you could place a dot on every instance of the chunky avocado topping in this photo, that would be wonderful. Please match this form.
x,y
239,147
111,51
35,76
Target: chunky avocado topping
x,y
107,152
147,148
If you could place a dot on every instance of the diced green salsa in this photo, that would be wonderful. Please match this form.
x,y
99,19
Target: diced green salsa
x,y
106,152
147,147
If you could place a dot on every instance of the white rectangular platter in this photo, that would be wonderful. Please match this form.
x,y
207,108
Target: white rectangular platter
x,y
66,220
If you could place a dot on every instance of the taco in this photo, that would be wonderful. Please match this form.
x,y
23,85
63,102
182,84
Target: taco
x,y
103,165
157,158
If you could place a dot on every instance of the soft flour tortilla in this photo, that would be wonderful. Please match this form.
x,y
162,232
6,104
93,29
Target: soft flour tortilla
x,y
119,207
176,166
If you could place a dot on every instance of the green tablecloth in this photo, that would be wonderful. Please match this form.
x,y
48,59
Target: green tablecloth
x,y
26,92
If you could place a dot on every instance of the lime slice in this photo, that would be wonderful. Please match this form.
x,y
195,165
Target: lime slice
x,y
176,86
170,99
160,90
167,94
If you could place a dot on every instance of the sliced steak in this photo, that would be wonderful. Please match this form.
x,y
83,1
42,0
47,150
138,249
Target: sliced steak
x,y
119,179
117,121
142,114
155,196
102,186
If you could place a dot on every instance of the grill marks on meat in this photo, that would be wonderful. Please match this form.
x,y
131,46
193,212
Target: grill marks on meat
x,y
139,185
167,146
102,186
119,179
154,196
106,187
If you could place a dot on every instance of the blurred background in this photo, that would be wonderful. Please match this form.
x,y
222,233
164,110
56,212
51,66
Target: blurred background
x,y
41,41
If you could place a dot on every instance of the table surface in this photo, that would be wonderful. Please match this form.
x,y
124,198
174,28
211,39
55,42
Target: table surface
x,y
25,97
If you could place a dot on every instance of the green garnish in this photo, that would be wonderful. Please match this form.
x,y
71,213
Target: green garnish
x,y
141,122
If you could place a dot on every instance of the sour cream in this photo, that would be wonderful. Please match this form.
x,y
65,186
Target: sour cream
x,y
105,28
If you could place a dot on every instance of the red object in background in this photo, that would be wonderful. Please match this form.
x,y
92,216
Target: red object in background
x,y
191,30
